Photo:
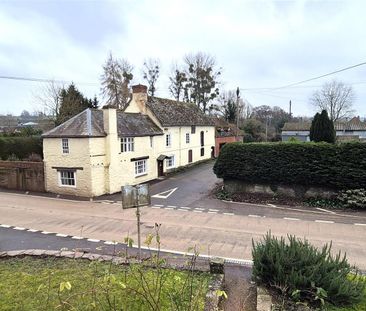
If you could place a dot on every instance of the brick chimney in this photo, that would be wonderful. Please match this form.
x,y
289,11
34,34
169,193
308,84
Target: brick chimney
x,y
139,96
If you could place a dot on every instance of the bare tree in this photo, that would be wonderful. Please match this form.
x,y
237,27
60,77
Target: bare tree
x,y
336,98
48,99
202,79
115,80
177,80
151,72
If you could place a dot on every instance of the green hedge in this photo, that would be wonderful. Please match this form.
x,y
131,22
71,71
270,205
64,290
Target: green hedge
x,y
340,166
21,147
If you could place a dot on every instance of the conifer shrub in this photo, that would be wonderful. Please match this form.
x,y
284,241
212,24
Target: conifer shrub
x,y
300,271
339,167
354,198
21,147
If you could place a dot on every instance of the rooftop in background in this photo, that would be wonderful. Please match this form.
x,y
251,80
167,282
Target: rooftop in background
x,y
224,128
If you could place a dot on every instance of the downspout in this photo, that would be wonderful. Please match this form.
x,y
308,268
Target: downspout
x,y
180,146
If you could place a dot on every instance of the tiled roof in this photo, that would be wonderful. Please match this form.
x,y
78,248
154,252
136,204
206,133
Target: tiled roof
x,y
89,123
174,113
224,128
355,124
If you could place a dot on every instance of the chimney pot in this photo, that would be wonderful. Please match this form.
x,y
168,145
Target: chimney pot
x,y
139,88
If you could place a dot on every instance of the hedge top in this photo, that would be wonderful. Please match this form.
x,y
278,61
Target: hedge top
x,y
340,166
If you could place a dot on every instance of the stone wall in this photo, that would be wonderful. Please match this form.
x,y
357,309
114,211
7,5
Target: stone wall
x,y
293,191
22,175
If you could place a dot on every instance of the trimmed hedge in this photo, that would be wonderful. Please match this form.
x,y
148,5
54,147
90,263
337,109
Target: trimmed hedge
x,y
340,166
21,147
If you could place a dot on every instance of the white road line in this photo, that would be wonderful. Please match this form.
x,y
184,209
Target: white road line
x,y
32,230
159,205
155,206
290,218
325,221
271,205
75,237
358,224
46,232
172,206
255,216
62,235
19,228
325,210
93,240
229,214
213,210
183,210
5,226
169,208
185,207
197,211
110,243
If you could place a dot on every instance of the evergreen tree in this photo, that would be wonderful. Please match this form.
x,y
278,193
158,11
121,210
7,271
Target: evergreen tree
x,y
322,128
72,102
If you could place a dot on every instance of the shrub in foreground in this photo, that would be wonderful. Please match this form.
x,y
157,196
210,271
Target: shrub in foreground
x,y
300,271
355,198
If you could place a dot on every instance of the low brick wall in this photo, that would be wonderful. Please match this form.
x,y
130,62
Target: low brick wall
x,y
22,175
293,191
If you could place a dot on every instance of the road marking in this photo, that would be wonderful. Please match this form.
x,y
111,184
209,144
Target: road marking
x,y
183,210
271,205
229,214
32,230
19,228
197,211
255,216
62,235
93,240
185,207
75,237
169,208
325,210
158,205
213,210
210,212
46,232
5,226
165,194
325,221
110,243
290,218
155,206
172,206
358,224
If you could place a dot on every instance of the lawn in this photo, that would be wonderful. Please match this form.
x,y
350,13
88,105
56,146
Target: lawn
x,y
66,284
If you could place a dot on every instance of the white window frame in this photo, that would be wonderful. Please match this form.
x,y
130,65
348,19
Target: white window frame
x,y
188,138
65,146
68,180
140,167
170,161
168,140
127,144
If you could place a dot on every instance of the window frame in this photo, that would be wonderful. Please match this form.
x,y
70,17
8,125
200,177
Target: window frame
x,y
127,144
202,151
143,165
168,140
65,146
188,138
193,129
69,178
170,161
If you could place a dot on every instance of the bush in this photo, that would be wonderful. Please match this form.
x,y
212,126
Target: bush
x,y
21,147
299,270
355,198
308,164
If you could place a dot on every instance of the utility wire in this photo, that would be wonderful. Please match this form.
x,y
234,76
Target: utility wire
x,y
307,80
44,80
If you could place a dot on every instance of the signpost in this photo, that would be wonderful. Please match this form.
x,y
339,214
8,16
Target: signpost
x,y
134,197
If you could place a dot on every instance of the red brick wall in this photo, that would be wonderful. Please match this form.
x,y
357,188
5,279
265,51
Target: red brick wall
x,y
224,140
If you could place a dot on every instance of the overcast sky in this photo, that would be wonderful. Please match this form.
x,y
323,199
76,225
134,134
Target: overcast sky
x,y
257,43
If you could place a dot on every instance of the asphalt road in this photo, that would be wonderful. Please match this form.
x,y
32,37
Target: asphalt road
x,y
189,216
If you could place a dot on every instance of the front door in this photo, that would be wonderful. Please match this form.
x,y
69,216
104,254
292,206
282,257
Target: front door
x,y
190,156
160,168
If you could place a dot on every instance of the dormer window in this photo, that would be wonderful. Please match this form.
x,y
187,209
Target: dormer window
x,y
127,144
65,145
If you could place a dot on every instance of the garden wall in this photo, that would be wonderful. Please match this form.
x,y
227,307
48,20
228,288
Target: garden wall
x,y
22,175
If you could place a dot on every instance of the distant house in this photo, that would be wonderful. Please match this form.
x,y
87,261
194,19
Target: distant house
x,y
100,150
225,133
353,129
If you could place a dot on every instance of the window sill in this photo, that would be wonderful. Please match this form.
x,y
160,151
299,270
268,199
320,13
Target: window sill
x,y
67,186
141,175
